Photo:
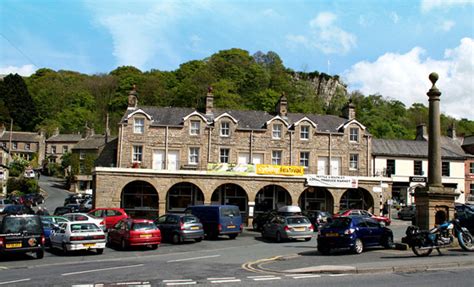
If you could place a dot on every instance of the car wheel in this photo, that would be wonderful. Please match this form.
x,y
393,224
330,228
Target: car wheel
x,y
154,246
278,237
100,251
358,246
109,241
198,239
39,254
123,245
388,242
232,236
176,239
307,239
64,248
255,226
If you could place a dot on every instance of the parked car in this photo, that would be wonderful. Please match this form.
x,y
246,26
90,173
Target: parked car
x,y
465,214
180,227
76,198
407,212
4,202
85,217
61,210
218,219
355,233
288,227
363,213
110,215
49,223
317,217
261,218
17,209
22,234
134,232
34,199
72,236
86,205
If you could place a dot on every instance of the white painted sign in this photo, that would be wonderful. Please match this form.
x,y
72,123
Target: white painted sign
x,y
377,189
332,181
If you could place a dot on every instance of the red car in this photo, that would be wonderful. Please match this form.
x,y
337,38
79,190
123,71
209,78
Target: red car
x,y
110,215
363,213
134,232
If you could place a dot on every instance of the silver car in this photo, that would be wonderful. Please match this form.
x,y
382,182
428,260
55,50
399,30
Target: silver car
x,y
288,227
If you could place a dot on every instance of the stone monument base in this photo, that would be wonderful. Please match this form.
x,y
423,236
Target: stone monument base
x,y
434,205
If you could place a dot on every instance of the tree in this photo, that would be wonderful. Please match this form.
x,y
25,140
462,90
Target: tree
x,y
19,103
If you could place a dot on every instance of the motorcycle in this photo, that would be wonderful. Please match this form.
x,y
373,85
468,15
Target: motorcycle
x,y
422,242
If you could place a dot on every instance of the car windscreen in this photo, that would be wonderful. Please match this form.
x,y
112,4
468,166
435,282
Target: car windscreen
x,y
342,212
143,226
297,220
16,224
339,223
190,219
84,227
230,211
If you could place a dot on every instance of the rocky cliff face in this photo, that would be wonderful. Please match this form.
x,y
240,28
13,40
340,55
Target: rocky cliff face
x,y
324,85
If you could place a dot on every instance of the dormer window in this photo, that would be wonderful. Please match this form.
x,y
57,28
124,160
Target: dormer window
x,y
225,129
53,149
276,132
354,134
14,145
195,128
139,126
304,133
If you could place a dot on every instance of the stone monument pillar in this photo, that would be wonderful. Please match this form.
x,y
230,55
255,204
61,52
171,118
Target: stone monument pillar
x,y
434,203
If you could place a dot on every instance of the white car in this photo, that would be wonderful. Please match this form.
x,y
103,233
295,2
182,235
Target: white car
x,y
71,236
83,217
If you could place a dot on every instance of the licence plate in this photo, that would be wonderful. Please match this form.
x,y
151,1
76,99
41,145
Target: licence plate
x,y
89,244
299,228
332,234
230,226
13,245
145,235
194,227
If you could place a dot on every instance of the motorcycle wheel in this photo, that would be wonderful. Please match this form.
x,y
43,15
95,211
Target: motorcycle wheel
x,y
421,252
466,241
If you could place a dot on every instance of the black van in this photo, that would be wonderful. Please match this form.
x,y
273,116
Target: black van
x,y
21,234
218,219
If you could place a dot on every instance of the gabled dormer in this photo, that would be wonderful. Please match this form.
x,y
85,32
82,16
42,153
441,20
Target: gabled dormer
x,y
278,127
225,123
304,128
140,120
353,129
195,122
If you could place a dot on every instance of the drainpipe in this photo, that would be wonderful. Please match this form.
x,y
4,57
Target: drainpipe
x,y
330,153
368,156
209,146
119,164
291,148
166,148
251,147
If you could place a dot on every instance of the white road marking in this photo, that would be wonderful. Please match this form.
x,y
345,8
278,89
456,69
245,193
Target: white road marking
x,y
193,258
133,283
307,276
15,281
268,278
181,283
103,269
260,276
177,280
219,278
225,281
337,275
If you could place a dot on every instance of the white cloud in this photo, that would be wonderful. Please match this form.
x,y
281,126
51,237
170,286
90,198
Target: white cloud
x,y
325,36
270,13
428,5
447,25
25,70
394,16
404,77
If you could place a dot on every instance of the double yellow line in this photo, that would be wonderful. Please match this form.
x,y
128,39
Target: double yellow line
x,y
255,266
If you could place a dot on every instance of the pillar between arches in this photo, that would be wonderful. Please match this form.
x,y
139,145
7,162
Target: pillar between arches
x,y
161,207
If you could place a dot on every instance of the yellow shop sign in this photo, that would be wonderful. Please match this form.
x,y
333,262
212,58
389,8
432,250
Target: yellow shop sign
x,y
270,169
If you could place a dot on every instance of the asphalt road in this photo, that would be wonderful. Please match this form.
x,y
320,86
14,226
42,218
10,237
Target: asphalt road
x,y
218,262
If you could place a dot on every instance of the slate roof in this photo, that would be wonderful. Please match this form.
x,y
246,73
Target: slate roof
x,y
416,148
255,120
21,136
92,142
469,140
65,138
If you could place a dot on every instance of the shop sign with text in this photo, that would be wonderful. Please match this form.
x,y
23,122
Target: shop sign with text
x,y
272,169
332,181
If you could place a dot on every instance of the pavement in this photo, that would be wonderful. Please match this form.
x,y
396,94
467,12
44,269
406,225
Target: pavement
x,y
373,260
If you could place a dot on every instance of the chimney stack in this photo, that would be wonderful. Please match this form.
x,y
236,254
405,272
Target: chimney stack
x,y
56,131
133,98
281,108
421,133
348,111
209,102
452,131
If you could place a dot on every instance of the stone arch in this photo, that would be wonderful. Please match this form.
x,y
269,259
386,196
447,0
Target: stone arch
x,y
140,199
183,194
316,198
234,194
357,198
271,197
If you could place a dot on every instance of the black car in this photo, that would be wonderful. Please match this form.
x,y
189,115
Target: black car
x,y
21,234
407,212
317,217
465,214
17,209
71,208
179,227
262,218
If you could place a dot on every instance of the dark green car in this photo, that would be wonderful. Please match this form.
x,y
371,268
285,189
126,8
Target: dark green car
x,y
22,234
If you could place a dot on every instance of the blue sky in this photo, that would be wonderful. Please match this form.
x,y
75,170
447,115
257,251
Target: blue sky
x,y
377,46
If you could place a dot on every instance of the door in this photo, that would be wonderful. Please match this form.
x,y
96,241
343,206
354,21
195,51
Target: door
x,y
322,165
173,162
335,166
158,159
243,158
257,158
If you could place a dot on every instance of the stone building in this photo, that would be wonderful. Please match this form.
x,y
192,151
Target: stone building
x,y
169,158
468,147
59,144
24,144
